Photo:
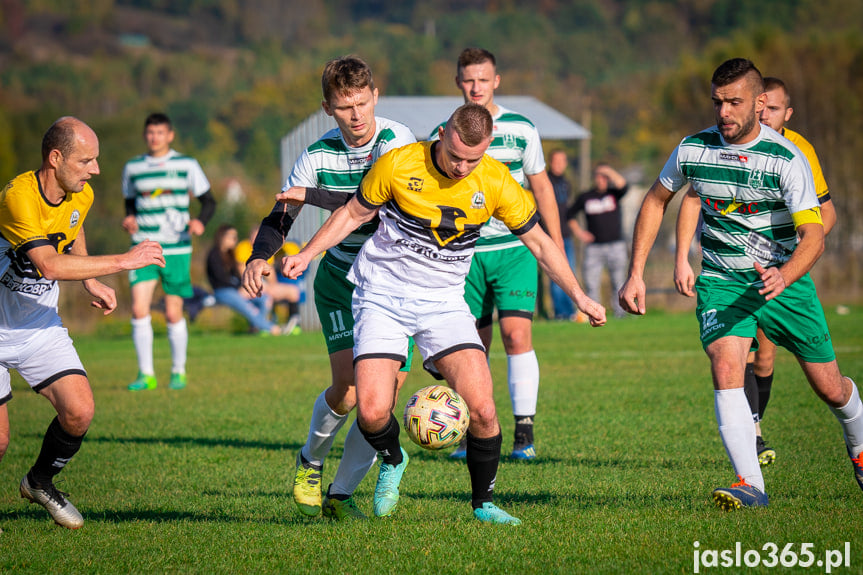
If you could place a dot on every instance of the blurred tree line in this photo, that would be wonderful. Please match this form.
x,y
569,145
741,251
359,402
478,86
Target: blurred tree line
x,y
237,75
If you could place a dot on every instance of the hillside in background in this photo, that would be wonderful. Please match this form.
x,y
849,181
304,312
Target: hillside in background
x,y
236,76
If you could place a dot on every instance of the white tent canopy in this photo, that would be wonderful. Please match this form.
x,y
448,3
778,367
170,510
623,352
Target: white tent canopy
x,y
421,114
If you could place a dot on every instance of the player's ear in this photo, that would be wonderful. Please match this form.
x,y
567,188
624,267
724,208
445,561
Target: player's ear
x,y
326,106
788,113
55,156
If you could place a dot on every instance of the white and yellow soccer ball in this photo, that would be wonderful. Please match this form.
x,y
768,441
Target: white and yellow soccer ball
x,y
436,417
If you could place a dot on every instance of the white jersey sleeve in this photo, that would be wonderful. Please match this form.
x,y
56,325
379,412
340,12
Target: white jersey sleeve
x,y
671,177
198,182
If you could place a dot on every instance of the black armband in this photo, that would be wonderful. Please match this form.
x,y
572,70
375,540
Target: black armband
x,y
131,207
208,207
272,233
326,199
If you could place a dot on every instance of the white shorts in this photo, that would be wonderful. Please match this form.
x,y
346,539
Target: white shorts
x,y
383,324
41,360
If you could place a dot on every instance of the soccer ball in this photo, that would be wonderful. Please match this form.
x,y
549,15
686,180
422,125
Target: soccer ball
x,y
436,417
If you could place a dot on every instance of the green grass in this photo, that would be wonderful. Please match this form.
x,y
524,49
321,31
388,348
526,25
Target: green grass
x,y
197,481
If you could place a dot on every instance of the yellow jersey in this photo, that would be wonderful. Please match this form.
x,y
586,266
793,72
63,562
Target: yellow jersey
x,y
430,223
28,220
820,183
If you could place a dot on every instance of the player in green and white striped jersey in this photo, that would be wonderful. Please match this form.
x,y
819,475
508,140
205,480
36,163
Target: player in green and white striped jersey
x,y
762,233
327,174
158,187
503,273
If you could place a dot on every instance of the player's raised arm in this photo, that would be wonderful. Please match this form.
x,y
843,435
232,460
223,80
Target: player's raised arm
x,y
337,227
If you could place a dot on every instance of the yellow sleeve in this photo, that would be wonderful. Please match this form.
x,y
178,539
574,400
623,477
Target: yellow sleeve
x,y
375,189
517,206
810,216
21,222
811,157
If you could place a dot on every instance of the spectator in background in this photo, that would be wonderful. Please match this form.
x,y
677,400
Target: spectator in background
x,y
604,246
557,164
224,276
277,289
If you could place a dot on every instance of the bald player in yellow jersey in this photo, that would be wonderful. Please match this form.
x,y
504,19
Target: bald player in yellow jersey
x,y
759,367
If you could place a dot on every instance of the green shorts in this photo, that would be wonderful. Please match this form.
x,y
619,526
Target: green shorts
x,y
504,279
175,276
333,293
794,320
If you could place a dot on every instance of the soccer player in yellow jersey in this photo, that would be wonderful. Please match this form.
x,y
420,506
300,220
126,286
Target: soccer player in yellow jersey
x,y
432,199
759,366
42,241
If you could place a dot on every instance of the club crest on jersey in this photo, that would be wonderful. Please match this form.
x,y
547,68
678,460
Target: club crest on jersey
x,y
509,141
415,184
478,200
756,179
732,157
74,218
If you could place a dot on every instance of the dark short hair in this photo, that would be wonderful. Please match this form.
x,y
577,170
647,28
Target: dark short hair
x,y
472,123
158,119
734,69
471,56
60,136
346,75
773,83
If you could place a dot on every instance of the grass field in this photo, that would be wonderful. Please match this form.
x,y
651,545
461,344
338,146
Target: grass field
x,y
197,481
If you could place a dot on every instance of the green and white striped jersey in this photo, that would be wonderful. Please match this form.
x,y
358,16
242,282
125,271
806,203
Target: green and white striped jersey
x,y
332,165
162,188
516,144
748,195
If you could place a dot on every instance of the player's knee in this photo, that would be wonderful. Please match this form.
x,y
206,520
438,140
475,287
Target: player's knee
x,y
342,396
763,363
517,341
483,414
372,420
76,420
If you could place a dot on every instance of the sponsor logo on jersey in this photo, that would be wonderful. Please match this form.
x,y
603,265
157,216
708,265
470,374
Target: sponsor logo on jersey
x,y
31,288
415,184
356,161
73,220
429,253
733,157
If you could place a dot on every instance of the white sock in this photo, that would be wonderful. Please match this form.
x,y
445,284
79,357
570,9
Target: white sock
x,y
850,416
523,380
737,431
142,337
178,337
323,428
356,461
